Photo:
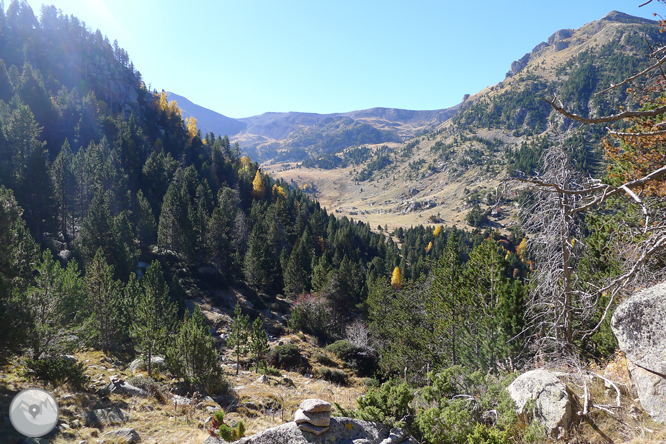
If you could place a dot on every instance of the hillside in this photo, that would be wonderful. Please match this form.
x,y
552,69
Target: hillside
x,y
438,176
207,121
294,136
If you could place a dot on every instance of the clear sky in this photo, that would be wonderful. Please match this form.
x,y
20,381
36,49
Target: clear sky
x,y
247,57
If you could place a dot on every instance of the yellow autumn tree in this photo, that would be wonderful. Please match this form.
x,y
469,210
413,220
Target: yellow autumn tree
x,y
429,247
278,193
191,125
396,279
438,230
245,161
258,187
521,249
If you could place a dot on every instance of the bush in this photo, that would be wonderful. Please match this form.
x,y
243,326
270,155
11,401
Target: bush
x,y
324,359
58,371
157,390
362,360
284,356
388,404
461,401
269,371
232,434
311,313
333,375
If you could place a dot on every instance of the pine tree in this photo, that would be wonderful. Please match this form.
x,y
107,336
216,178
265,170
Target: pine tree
x,y
102,303
155,315
52,300
294,274
193,355
259,345
146,229
238,337
64,184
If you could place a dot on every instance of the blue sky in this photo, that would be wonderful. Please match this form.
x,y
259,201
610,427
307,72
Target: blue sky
x,y
247,57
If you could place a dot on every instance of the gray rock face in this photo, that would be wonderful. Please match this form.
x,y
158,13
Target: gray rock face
x,y
651,390
639,324
127,389
341,431
139,364
124,436
105,417
553,406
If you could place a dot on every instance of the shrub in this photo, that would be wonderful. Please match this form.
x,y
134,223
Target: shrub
x,y
362,360
232,434
388,404
333,375
58,371
324,359
284,356
461,401
269,371
311,313
157,390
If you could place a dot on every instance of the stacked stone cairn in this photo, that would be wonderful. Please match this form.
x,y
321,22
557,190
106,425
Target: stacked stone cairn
x,y
314,416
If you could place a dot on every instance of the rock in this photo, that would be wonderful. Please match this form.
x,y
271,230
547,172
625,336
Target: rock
x,y
322,419
124,436
35,441
307,427
104,417
127,389
264,380
214,440
341,431
76,424
553,406
288,382
651,390
639,325
315,406
139,364
181,400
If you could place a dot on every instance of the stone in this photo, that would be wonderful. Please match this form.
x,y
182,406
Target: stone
x,y
180,400
639,325
124,436
307,427
139,364
322,419
341,431
105,417
315,406
553,404
127,389
651,390
76,424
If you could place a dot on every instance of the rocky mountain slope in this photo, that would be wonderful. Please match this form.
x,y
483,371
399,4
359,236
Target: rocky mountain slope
x,y
296,135
438,176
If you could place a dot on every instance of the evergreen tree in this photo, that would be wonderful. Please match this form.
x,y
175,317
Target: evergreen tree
x,y
257,263
259,344
146,229
52,300
102,292
18,252
155,315
294,274
193,355
238,337
64,184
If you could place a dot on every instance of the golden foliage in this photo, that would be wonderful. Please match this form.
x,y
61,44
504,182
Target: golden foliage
x,y
438,230
245,161
170,108
278,193
521,249
191,125
258,187
396,279
429,247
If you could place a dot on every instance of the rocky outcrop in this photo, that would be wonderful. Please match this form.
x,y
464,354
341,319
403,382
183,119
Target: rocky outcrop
x,y
341,431
140,364
552,400
121,436
639,324
105,417
120,387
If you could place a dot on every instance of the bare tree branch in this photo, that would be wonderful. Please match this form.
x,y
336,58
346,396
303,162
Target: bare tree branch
x,y
612,118
634,77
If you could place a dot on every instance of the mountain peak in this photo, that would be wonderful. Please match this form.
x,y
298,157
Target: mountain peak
x,y
621,17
